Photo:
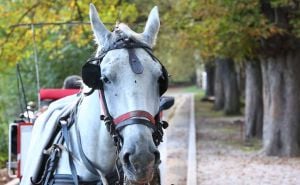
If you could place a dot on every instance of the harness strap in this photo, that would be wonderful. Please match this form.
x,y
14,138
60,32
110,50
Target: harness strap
x,y
88,164
66,136
103,103
135,63
135,121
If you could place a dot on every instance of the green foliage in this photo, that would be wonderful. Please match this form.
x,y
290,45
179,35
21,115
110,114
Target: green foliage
x,y
280,3
3,144
177,59
61,48
231,28
52,38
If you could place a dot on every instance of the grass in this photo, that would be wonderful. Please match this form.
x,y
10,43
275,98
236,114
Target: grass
x,y
253,146
205,109
228,134
194,89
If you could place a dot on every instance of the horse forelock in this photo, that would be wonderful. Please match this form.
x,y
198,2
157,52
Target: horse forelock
x,y
129,33
121,30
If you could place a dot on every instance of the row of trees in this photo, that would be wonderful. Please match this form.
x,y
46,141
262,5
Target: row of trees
x,y
264,37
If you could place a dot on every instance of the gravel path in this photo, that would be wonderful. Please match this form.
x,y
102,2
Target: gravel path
x,y
223,159
175,145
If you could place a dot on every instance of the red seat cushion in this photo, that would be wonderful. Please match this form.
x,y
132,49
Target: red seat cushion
x,y
54,94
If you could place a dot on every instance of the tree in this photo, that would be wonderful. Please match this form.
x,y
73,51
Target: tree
x,y
268,30
226,87
279,61
210,79
57,23
61,33
254,101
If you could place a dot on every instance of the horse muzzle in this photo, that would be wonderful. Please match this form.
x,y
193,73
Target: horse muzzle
x,y
139,155
139,168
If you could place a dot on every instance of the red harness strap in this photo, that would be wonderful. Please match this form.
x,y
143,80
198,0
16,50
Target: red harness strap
x,y
136,113
126,116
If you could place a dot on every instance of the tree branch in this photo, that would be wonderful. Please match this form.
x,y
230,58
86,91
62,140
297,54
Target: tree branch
x,y
13,28
19,20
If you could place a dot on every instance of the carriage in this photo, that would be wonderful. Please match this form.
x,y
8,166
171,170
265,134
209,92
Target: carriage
x,y
20,130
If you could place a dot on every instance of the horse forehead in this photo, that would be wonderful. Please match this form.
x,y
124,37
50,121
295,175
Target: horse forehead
x,y
119,60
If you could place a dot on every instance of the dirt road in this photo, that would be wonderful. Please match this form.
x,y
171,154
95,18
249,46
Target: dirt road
x,y
174,149
223,158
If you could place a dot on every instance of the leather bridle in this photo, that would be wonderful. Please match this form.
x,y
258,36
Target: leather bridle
x,y
91,74
140,117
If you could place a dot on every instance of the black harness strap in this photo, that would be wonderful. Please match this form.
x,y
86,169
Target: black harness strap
x,y
135,63
66,136
50,166
135,121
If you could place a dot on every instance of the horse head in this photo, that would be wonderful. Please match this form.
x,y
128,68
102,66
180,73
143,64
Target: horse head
x,y
132,81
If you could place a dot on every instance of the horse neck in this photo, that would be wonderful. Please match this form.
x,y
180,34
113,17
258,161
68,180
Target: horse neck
x,y
96,142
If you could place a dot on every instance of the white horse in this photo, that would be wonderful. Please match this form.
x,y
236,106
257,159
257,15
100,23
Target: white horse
x,y
130,95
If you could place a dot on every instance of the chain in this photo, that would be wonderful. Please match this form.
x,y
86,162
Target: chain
x,y
159,132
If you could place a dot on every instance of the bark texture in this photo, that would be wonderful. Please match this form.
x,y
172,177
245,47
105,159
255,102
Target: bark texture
x,y
210,80
226,87
281,94
232,97
219,85
241,79
254,101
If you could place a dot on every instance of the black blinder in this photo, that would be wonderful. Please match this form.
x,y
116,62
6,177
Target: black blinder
x,y
91,75
163,81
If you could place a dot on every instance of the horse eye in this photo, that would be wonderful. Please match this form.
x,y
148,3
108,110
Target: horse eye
x,y
105,79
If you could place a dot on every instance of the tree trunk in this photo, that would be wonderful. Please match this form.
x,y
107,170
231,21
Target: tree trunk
x,y
219,85
254,101
210,80
241,79
199,80
281,93
231,89
226,87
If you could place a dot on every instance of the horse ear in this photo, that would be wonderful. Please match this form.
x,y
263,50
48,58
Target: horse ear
x,y
152,27
101,33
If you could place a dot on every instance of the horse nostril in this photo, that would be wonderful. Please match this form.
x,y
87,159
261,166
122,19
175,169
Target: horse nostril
x,y
126,158
157,157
